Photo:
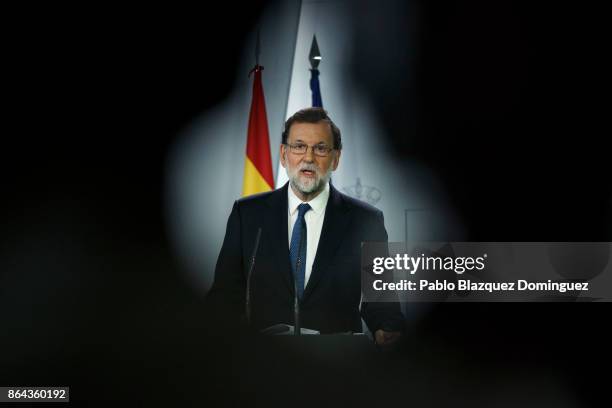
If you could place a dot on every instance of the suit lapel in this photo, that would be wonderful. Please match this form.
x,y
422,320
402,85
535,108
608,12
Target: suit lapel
x,y
277,219
334,227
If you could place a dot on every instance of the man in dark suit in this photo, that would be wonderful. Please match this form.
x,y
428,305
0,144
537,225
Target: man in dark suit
x,y
310,241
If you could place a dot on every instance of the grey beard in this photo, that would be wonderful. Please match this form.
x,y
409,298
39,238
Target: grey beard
x,y
316,186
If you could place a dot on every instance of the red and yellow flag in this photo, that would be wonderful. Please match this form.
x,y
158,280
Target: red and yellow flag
x,y
258,176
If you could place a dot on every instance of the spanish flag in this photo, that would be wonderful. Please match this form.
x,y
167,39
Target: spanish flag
x,y
258,176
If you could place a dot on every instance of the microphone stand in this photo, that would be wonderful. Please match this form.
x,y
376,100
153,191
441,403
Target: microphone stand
x,y
248,281
296,303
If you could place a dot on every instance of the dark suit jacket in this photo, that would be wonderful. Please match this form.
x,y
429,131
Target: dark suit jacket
x,y
332,295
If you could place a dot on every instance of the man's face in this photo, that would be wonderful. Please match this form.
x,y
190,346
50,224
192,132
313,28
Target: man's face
x,y
308,172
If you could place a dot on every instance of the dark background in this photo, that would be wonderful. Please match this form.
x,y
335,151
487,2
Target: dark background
x,y
509,111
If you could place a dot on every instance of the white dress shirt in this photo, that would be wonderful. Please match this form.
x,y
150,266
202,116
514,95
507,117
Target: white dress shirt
x,y
314,223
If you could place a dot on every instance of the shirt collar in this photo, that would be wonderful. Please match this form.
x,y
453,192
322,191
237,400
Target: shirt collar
x,y
317,204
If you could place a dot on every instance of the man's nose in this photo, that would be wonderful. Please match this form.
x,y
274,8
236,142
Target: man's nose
x,y
309,156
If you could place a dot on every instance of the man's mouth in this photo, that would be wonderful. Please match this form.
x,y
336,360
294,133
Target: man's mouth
x,y
308,173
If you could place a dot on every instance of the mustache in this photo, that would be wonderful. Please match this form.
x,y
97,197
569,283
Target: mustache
x,y
309,167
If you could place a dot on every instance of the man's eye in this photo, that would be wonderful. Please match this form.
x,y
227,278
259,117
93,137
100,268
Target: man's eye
x,y
300,146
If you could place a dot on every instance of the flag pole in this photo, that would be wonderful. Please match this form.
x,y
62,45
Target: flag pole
x,y
257,67
257,47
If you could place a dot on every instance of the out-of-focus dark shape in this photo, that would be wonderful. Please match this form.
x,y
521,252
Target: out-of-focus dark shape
x,y
500,100
89,289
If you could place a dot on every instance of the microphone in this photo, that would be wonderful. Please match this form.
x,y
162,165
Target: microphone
x,y
247,303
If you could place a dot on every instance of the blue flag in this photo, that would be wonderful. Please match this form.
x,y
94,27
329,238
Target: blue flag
x,y
314,87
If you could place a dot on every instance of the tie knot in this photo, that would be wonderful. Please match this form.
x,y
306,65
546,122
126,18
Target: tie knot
x,y
303,209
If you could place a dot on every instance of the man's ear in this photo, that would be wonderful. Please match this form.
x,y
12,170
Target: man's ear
x,y
336,159
283,151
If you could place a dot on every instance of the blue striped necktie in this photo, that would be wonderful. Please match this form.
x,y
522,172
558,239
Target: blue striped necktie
x,y
297,248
